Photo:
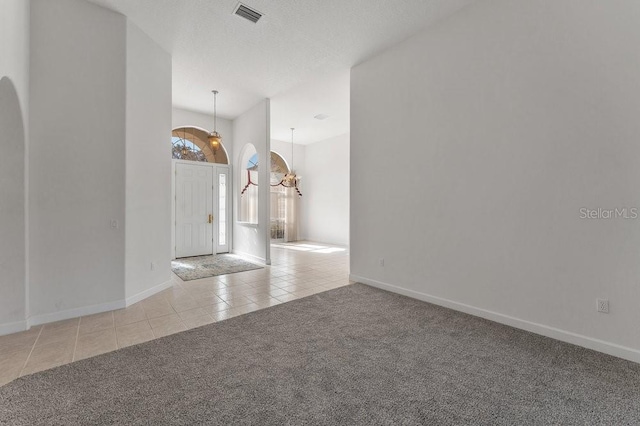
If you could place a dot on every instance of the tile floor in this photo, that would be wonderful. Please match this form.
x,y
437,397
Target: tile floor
x,y
297,270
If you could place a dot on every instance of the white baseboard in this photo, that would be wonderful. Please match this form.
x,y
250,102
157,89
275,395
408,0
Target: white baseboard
x,y
75,313
148,293
344,245
13,327
544,330
251,257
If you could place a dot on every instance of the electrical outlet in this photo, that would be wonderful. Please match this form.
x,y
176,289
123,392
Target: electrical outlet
x,y
114,224
381,262
602,305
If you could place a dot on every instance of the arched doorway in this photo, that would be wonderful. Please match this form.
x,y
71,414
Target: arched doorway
x,y
12,206
278,213
285,203
248,201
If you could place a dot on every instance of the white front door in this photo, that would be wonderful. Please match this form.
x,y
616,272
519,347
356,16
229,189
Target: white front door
x,y
194,210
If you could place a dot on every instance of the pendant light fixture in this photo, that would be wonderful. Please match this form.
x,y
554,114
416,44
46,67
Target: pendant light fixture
x,y
290,180
215,139
290,177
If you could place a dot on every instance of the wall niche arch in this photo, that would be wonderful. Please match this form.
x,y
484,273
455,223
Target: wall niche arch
x,y
248,169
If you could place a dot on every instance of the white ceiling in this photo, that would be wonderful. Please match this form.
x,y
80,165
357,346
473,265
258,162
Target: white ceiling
x,y
296,44
298,106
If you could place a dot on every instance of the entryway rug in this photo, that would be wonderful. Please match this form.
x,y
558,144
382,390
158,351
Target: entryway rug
x,y
194,268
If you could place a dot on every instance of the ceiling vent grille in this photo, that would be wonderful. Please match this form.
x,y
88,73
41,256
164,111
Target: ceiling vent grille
x,y
247,13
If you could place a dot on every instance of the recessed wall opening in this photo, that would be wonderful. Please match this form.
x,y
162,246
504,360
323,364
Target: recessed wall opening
x,y
310,130
248,201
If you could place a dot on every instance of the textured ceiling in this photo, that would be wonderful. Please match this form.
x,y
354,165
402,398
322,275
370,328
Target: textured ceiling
x,y
294,43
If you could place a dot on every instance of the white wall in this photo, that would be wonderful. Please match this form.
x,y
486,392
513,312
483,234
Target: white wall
x,y
148,165
89,132
12,211
469,170
77,156
252,127
326,191
14,116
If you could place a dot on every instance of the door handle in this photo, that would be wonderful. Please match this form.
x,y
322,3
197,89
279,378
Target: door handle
x,y
210,218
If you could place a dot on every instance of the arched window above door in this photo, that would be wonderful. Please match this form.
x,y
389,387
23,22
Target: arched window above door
x,y
190,143
184,149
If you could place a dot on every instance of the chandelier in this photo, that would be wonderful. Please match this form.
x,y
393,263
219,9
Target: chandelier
x,y
290,179
215,139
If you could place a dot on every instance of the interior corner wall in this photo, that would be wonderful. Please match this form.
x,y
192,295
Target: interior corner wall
x,y
76,158
499,126
148,166
14,119
253,127
326,191
12,211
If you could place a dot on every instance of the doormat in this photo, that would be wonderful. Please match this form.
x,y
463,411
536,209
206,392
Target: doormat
x,y
194,268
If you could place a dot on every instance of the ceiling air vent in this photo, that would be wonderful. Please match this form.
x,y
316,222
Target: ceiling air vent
x,y
247,13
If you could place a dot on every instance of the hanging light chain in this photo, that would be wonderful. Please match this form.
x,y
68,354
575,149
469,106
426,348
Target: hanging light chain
x,y
214,137
292,129
215,113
